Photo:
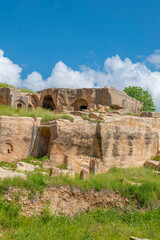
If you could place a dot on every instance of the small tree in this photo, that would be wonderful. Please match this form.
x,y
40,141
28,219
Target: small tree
x,y
142,95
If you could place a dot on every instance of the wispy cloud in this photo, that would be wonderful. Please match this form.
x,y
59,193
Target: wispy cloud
x,y
154,59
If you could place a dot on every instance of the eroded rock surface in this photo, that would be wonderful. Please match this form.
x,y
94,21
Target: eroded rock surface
x,y
64,200
17,136
95,146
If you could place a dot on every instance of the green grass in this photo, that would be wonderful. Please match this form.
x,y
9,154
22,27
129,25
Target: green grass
x,y
86,117
142,220
148,194
2,85
156,158
112,109
132,114
99,224
45,114
8,165
62,166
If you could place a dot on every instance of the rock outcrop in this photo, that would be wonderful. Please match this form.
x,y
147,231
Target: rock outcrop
x,y
64,200
94,146
16,98
97,146
17,136
88,98
71,99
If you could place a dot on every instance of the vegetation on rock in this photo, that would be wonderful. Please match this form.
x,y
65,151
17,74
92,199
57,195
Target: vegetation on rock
x,y
142,95
2,85
45,114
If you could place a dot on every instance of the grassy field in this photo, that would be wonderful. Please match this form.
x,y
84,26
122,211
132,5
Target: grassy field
x,y
99,224
45,114
140,220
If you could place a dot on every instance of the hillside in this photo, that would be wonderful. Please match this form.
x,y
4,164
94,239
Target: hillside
x,y
116,209
78,173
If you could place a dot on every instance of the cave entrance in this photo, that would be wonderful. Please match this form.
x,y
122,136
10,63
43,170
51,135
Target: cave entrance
x,y
48,103
80,105
30,106
83,107
43,145
19,105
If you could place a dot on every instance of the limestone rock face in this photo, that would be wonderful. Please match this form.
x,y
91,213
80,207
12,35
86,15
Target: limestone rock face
x,y
89,98
119,141
95,146
71,99
17,136
17,98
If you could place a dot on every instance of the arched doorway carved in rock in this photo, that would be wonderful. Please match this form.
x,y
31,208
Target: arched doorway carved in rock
x,y
44,140
48,103
80,104
19,104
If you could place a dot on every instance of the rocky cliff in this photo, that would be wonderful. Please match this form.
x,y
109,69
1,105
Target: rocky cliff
x,y
121,141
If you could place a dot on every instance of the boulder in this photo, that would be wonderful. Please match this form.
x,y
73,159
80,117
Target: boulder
x,y
10,174
22,166
153,163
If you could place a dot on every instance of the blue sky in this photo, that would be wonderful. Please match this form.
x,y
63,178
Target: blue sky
x,y
80,43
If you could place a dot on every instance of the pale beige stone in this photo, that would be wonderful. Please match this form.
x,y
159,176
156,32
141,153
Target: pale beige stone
x,y
22,166
10,174
58,172
135,238
17,137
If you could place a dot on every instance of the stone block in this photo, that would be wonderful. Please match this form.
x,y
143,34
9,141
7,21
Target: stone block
x,y
84,174
58,172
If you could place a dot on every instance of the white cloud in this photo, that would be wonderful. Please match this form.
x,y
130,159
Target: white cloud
x,y
9,72
117,72
125,73
63,76
154,59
